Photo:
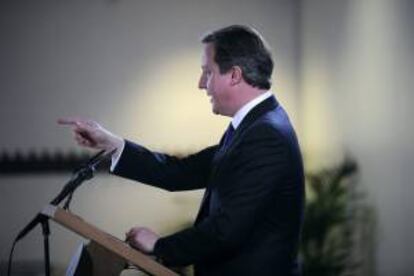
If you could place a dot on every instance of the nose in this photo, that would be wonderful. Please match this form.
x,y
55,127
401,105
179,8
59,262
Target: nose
x,y
202,82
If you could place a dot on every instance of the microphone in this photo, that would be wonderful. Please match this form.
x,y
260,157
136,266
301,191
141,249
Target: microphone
x,y
85,172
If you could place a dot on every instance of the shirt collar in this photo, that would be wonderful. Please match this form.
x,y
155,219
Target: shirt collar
x,y
242,112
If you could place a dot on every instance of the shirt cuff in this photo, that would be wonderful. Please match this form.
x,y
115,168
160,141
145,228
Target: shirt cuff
x,y
116,156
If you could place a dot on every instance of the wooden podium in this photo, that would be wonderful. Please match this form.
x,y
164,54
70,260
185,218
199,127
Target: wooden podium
x,y
107,241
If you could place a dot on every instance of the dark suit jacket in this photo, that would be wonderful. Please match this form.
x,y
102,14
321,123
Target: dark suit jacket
x,y
250,219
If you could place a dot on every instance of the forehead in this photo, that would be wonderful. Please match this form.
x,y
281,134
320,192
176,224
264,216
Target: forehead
x,y
208,54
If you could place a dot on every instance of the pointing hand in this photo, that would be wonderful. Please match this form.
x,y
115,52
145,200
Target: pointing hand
x,y
89,133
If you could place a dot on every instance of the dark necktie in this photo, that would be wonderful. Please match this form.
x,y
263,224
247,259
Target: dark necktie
x,y
228,136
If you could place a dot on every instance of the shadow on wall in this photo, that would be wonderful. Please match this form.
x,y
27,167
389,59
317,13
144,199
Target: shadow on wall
x,y
33,162
30,268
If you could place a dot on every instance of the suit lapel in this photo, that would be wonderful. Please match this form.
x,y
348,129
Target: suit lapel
x,y
254,114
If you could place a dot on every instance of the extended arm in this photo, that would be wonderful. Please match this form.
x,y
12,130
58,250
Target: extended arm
x,y
165,171
138,163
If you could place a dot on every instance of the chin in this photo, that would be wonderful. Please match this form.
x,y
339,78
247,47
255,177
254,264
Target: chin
x,y
217,111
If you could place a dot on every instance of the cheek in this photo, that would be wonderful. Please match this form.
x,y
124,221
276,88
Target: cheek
x,y
216,82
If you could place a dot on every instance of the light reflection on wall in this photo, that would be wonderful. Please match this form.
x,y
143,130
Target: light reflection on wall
x,y
321,134
168,111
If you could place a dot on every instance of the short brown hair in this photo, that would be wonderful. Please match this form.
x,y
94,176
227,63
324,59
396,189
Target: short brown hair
x,y
242,46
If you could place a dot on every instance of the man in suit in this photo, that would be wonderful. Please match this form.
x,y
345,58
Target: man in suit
x,y
250,217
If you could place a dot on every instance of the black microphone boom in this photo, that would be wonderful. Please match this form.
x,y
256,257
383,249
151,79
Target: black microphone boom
x,y
84,173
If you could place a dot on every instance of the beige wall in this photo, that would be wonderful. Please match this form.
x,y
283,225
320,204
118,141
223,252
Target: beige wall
x,y
356,98
134,66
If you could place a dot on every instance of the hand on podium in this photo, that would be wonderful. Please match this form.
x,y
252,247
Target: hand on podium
x,y
142,238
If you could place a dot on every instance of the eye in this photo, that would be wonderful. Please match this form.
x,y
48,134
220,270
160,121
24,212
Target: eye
x,y
206,72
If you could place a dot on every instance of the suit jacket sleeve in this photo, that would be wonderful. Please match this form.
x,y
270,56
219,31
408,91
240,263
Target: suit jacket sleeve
x,y
165,171
247,181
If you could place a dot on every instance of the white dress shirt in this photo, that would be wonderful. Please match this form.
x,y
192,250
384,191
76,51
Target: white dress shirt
x,y
242,112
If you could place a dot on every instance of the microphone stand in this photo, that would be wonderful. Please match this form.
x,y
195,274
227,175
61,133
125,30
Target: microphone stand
x,y
79,176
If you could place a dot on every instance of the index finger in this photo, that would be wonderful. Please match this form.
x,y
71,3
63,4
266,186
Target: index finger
x,y
68,121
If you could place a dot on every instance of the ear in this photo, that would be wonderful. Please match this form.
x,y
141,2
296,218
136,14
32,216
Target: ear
x,y
236,75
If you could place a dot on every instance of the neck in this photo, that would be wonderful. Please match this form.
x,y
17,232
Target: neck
x,y
243,96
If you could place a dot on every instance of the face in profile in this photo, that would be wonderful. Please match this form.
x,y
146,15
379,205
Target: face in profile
x,y
215,84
